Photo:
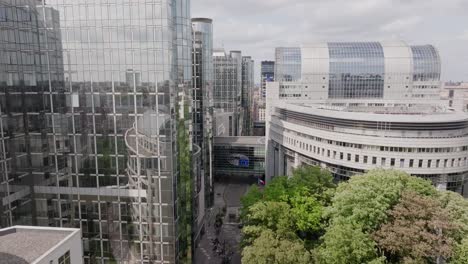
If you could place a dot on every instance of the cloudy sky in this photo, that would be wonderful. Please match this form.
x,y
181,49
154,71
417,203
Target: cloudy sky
x,y
258,26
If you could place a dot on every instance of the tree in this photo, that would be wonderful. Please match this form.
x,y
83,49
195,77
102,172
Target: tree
x,y
270,248
457,208
275,216
318,182
307,213
418,230
365,199
252,196
346,243
460,255
277,190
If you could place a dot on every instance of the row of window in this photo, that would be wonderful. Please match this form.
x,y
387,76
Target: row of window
x,y
380,161
382,148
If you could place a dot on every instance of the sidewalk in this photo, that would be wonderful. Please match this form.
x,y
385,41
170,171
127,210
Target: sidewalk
x,y
226,194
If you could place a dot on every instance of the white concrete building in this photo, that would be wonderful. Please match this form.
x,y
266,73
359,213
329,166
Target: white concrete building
x,y
367,105
456,96
40,245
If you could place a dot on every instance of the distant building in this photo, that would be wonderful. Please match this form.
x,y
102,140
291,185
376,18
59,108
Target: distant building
x,y
248,85
267,74
228,85
287,64
40,245
224,123
456,95
261,113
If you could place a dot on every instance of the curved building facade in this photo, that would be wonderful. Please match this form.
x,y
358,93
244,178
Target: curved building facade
x,y
349,71
349,115
426,143
202,115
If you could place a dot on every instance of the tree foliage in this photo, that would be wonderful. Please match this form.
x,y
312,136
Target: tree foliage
x,y
270,248
460,255
457,208
383,216
346,243
365,199
418,230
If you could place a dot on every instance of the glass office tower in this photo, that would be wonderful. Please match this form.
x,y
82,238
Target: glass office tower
x,y
95,118
24,104
267,74
227,85
248,85
202,117
287,64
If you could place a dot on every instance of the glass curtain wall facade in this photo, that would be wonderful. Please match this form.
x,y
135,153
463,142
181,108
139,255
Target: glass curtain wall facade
x,y
357,70
426,63
95,123
227,84
267,75
203,115
288,64
248,85
28,75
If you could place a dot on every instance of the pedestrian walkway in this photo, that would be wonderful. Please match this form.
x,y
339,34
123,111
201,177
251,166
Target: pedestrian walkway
x,y
213,247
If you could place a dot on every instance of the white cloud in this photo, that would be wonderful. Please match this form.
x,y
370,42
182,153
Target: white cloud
x,y
464,35
402,24
258,26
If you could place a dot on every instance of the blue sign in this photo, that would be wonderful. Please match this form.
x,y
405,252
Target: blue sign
x,y
243,163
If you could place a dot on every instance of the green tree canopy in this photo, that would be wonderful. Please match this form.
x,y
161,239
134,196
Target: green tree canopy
x,y
346,243
365,199
270,248
460,255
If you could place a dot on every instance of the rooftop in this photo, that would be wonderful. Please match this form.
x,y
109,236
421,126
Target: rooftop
x,y
22,244
419,114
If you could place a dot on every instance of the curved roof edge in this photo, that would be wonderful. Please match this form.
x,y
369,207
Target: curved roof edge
x,y
202,19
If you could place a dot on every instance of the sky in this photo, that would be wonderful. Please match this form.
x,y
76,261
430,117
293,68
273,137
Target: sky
x,y
256,27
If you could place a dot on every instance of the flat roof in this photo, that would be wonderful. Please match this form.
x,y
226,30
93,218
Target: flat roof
x,y
24,244
399,115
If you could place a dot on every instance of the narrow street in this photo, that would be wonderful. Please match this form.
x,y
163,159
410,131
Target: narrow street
x,y
213,247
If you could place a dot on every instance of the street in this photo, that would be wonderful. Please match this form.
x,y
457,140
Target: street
x,y
220,244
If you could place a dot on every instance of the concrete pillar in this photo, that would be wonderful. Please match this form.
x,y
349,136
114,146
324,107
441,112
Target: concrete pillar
x,y
281,161
269,161
297,162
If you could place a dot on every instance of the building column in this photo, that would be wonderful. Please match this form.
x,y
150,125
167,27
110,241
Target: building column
x,y
269,161
281,161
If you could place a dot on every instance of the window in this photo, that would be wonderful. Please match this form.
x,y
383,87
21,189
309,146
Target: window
x,y
374,160
392,162
402,163
429,163
341,155
365,159
349,157
356,158
411,163
420,163
65,258
383,161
